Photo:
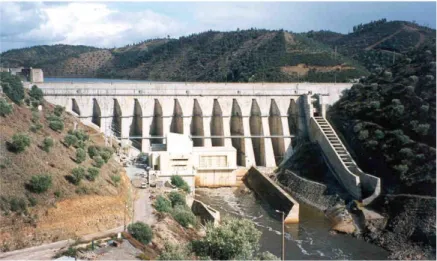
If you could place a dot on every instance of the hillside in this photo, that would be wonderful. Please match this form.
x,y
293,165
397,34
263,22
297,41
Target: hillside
x,y
239,56
388,121
373,44
31,215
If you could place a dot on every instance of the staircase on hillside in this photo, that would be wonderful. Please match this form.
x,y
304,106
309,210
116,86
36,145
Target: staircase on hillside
x,y
337,144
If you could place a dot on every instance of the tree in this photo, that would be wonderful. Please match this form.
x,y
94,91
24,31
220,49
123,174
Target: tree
x,y
233,239
184,216
141,232
20,142
40,183
36,93
12,86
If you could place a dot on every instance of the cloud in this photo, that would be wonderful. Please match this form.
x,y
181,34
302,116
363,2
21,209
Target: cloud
x,y
80,23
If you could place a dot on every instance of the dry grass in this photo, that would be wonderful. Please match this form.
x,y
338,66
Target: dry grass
x,y
98,207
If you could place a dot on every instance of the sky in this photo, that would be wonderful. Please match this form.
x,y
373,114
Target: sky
x,y
115,24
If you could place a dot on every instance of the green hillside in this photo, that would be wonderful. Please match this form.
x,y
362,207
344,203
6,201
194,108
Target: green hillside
x,y
239,56
373,44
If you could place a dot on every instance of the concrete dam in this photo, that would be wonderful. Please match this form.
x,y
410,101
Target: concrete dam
x,y
256,120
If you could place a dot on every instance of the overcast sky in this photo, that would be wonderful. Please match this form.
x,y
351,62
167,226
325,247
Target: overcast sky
x,y
110,24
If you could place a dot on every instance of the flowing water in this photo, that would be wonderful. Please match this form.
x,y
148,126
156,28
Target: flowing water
x,y
310,239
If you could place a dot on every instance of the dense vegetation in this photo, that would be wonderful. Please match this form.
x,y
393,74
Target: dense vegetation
x,y
373,44
389,120
12,86
238,56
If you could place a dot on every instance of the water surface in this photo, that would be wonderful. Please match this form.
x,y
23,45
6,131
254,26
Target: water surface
x,y
309,240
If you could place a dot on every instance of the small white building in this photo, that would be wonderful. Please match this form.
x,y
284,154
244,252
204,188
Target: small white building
x,y
198,166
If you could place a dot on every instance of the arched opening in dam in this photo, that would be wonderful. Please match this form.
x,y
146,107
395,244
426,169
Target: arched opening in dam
x,y
237,129
275,126
217,125
256,129
293,118
196,128
136,128
116,119
97,114
177,121
75,107
156,128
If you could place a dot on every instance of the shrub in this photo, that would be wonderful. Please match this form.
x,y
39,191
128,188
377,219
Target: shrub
x,y
162,204
106,155
47,144
35,116
35,127
32,201
35,104
5,107
406,153
56,125
70,140
58,194
98,162
40,183
93,151
18,205
20,142
363,134
422,129
401,169
80,155
115,179
92,173
233,239
77,175
58,110
36,93
140,232
177,198
80,134
379,134
174,252
179,182
184,216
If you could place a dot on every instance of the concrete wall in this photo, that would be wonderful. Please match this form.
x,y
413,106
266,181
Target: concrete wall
x,y
273,194
349,180
206,213
205,94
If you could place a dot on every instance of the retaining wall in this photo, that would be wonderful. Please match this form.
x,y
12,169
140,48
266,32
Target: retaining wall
x,y
312,193
273,194
206,213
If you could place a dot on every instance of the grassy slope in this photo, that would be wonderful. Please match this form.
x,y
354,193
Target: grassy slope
x,y
54,217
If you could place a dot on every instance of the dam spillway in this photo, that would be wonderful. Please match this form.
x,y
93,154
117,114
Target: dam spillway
x,y
258,120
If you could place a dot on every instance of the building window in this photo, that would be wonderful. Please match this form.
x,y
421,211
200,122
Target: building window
x,y
215,161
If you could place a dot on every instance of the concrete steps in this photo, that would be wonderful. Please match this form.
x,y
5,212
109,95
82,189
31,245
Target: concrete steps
x,y
335,142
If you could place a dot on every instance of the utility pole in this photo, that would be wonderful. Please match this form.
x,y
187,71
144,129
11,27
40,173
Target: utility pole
x,y
283,234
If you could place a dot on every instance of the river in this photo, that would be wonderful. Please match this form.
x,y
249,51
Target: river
x,y
308,240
